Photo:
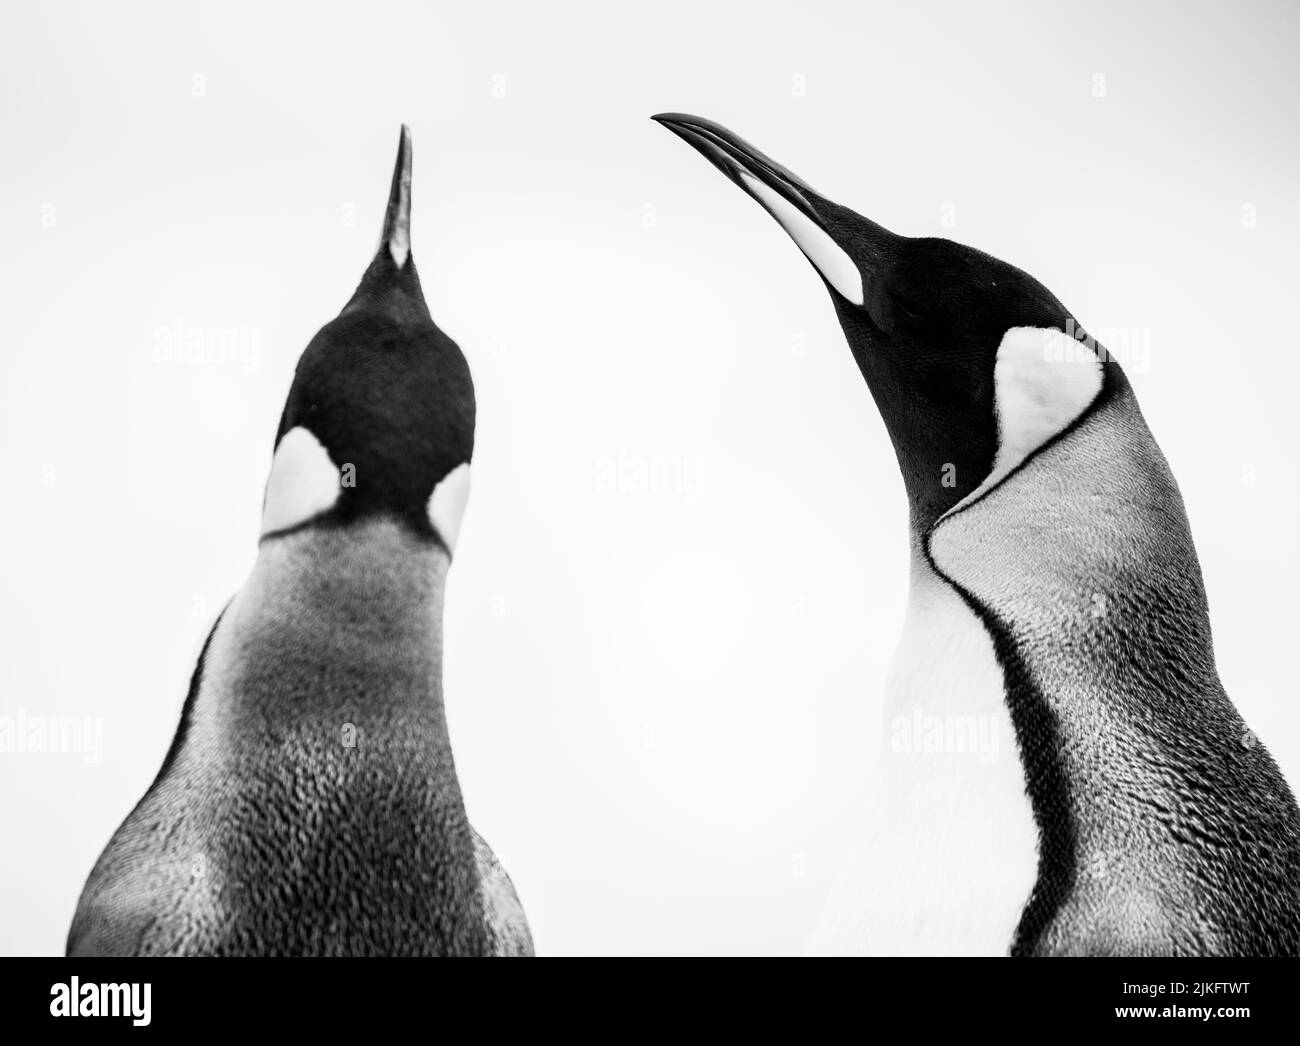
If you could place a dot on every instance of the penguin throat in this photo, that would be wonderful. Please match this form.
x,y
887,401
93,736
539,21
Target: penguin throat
x,y
943,451
363,602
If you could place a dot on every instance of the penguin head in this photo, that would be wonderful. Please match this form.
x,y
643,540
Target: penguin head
x,y
973,364
380,416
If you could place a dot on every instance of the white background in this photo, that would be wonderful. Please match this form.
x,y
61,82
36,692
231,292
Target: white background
x,y
683,565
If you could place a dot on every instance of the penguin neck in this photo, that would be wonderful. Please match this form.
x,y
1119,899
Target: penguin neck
x,y
315,729
1084,560
341,618
1082,568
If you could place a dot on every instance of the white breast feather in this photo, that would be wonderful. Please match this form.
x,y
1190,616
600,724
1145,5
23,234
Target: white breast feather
x,y
949,852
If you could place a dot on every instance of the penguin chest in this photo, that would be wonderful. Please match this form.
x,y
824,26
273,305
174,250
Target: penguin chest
x,y
949,855
953,813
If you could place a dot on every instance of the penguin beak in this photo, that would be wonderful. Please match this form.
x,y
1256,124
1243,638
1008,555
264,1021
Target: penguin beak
x,y
397,221
804,214
390,285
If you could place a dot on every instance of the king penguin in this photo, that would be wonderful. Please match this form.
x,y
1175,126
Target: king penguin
x,y
309,803
1055,598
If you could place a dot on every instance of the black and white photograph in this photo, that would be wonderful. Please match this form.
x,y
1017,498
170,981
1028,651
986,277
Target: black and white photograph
x,y
787,479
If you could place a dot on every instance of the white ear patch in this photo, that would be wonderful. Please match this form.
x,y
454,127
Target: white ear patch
x,y
304,482
831,260
447,504
1043,380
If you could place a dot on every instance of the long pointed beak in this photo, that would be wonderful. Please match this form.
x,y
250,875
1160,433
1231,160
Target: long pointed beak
x,y
803,212
397,221
391,284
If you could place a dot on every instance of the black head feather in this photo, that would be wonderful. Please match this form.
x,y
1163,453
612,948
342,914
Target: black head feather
x,y
388,394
